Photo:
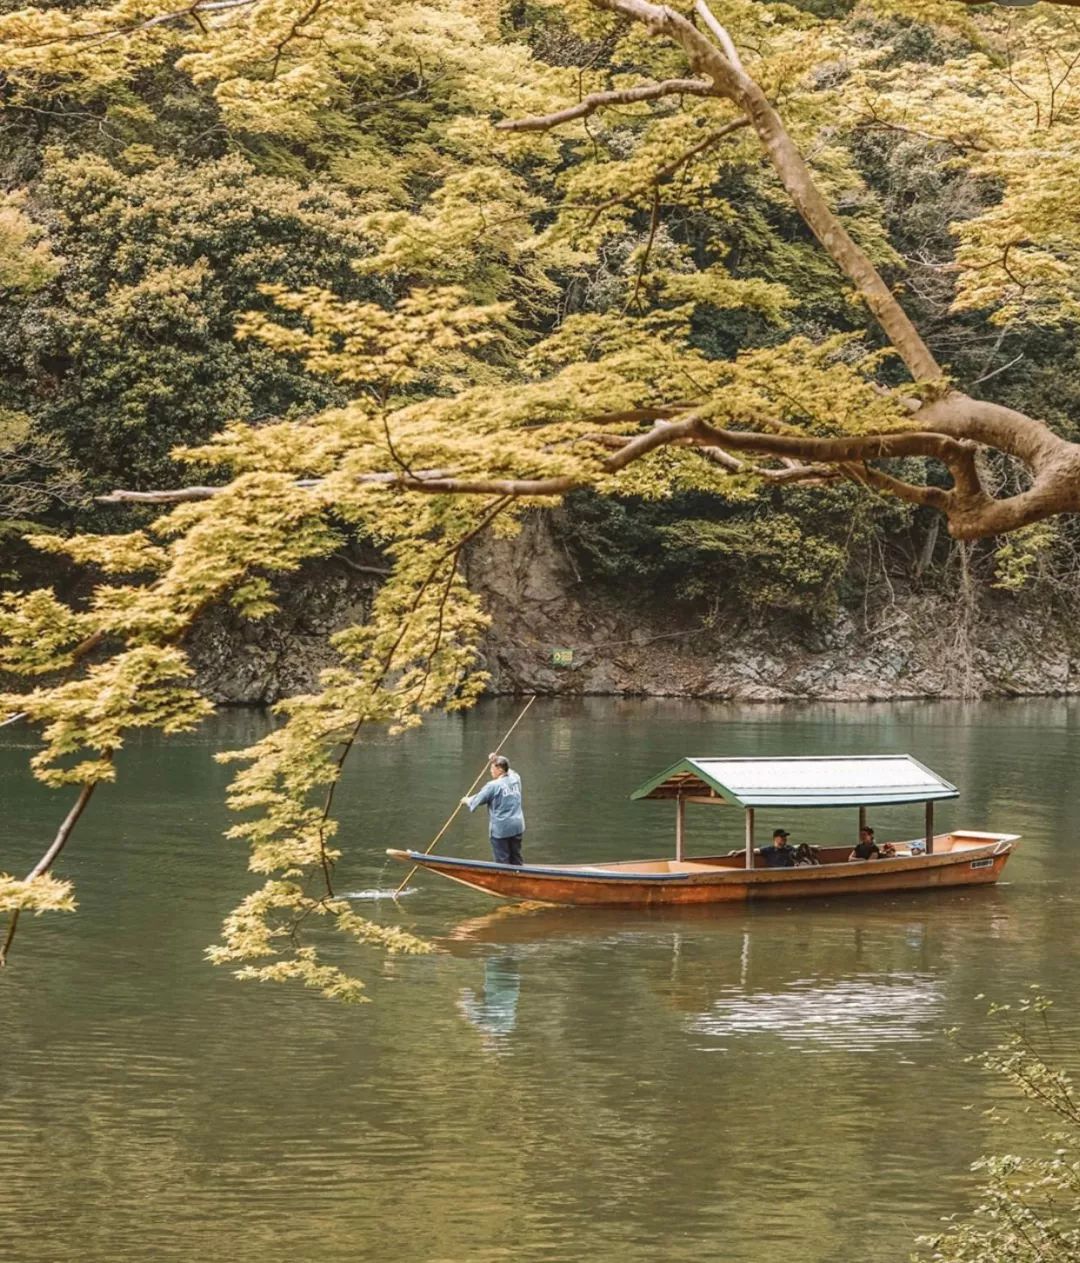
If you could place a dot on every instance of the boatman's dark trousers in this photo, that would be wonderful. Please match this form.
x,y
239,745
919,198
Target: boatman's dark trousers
x,y
507,850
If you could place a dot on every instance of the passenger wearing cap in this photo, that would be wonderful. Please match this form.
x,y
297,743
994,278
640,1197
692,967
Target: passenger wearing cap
x,y
506,819
779,854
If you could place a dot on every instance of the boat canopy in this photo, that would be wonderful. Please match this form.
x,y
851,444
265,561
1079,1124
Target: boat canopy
x,y
852,781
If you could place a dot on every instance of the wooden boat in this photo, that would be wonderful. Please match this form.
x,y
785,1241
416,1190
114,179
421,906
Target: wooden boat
x,y
931,861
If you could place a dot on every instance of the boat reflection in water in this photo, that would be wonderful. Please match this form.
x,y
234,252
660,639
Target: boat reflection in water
x,y
877,980
914,915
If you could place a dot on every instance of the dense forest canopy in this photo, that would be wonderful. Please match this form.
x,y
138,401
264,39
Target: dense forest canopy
x,y
304,272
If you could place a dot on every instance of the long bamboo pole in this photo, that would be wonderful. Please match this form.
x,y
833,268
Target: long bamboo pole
x,y
453,815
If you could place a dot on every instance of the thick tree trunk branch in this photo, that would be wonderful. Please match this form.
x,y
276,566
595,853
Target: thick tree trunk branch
x,y
792,471
913,493
971,513
993,425
946,429
731,82
836,450
808,457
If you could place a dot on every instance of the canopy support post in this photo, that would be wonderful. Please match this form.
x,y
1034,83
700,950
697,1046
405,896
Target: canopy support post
x,y
749,837
862,819
680,825
930,827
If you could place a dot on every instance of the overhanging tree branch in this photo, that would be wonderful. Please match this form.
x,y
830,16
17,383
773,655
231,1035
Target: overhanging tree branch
x,y
598,100
946,428
812,456
104,34
729,81
46,862
964,422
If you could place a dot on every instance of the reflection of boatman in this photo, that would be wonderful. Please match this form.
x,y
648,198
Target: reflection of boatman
x,y
494,1011
506,820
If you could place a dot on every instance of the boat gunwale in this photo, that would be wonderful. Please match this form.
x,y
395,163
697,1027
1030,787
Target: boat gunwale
x,y
532,870
996,844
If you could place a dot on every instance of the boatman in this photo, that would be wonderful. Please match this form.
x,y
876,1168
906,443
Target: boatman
x,y
506,820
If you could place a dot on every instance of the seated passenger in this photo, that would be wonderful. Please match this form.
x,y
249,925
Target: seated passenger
x,y
867,848
806,855
779,854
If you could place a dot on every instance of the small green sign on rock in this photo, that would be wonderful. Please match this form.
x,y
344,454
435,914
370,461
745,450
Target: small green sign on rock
x,y
562,657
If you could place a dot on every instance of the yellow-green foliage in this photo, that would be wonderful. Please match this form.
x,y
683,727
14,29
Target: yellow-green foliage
x,y
43,893
417,650
1017,560
84,719
115,554
261,927
512,293
33,472
802,567
26,261
38,633
1010,112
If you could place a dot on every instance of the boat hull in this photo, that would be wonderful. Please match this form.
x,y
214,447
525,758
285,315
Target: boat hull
x,y
970,860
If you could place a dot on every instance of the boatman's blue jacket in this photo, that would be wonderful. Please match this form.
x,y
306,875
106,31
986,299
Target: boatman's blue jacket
x,y
503,798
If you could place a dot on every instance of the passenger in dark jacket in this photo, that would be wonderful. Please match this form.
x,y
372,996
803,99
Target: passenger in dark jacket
x,y
867,848
779,854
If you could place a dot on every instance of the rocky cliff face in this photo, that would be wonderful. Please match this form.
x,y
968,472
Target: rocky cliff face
x,y
554,633
238,662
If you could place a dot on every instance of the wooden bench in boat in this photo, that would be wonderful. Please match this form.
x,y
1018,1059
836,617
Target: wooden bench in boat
x,y
944,843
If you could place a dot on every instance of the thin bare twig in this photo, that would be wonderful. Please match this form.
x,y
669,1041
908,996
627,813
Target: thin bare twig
x,y
45,863
666,171
294,33
719,33
1001,369
597,100
654,224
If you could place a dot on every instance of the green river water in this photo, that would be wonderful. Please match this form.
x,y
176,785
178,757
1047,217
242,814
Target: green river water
x,y
740,1084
